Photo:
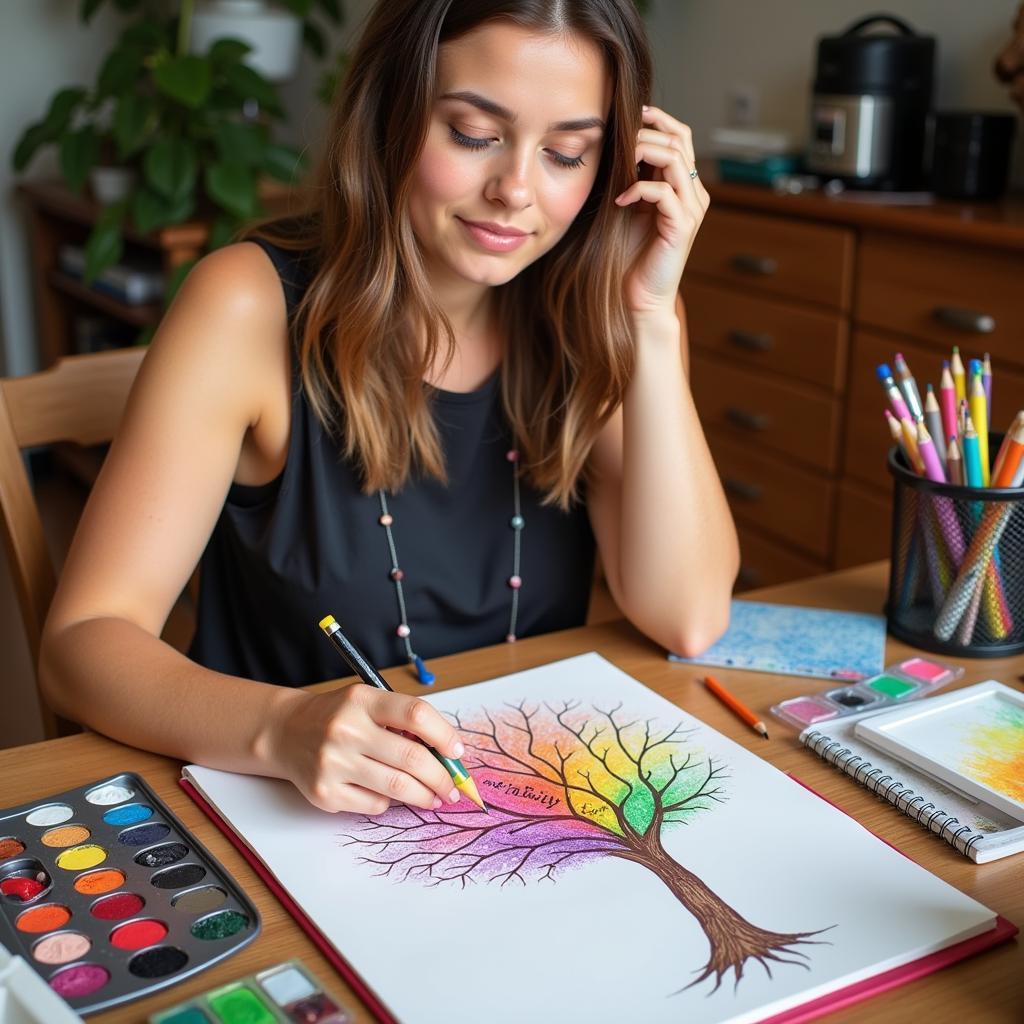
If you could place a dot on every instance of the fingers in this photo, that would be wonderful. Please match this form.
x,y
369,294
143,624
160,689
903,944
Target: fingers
x,y
410,714
674,170
347,797
410,762
666,123
394,784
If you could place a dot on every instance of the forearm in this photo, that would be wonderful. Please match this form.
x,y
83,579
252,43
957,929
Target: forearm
x,y
116,678
678,548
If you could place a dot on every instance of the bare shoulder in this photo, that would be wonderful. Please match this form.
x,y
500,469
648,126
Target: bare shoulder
x,y
227,325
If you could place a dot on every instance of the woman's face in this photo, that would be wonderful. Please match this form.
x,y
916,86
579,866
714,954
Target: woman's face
x,y
512,150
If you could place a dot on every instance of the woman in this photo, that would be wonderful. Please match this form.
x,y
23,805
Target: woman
x,y
414,409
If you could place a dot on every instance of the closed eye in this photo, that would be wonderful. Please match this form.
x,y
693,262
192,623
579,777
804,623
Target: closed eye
x,y
473,143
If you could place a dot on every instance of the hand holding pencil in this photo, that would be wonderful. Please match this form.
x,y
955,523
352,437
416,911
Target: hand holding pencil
x,y
358,748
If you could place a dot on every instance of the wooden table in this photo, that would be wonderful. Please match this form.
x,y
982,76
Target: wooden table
x,y
988,988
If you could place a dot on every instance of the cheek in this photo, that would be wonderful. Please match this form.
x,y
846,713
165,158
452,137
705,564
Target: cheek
x,y
440,178
563,201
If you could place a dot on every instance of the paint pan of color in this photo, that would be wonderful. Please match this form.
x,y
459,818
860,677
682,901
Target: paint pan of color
x,y
61,948
11,847
65,835
130,814
856,698
143,835
892,686
138,934
78,858
95,883
285,992
161,856
804,711
79,981
927,671
110,898
50,814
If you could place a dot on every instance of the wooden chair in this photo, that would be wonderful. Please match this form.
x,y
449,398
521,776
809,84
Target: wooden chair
x,y
79,399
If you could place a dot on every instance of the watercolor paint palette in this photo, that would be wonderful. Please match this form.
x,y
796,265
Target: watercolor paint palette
x,y
109,897
284,994
903,681
971,740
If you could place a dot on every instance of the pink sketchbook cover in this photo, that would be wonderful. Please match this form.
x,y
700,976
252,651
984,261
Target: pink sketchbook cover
x,y
837,1000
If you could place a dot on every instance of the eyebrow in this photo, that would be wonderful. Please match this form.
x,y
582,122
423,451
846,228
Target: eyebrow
x,y
497,110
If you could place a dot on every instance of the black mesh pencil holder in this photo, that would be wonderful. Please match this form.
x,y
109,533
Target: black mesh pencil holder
x,y
956,581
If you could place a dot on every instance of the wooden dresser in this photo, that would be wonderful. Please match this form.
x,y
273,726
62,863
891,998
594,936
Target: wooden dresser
x,y
792,301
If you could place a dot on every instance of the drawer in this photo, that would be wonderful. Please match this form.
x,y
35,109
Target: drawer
x,y
764,334
770,493
774,415
925,289
867,437
864,525
765,562
776,256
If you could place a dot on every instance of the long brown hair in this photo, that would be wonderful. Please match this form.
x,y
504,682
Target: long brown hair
x,y
569,351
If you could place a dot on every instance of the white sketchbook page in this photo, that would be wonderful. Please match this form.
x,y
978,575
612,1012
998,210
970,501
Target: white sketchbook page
x,y
608,941
1003,834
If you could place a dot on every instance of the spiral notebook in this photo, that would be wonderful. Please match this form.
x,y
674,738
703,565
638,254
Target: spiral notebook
x,y
971,827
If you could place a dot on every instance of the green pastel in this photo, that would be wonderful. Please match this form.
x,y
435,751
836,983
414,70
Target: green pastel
x,y
241,1006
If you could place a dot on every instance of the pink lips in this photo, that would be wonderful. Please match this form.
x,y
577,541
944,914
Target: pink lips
x,y
495,237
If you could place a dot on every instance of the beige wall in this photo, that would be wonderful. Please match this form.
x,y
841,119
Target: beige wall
x,y
706,48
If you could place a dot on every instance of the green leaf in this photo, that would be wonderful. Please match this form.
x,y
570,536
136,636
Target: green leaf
x,y
177,279
247,84
34,136
62,107
228,51
283,163
185,79
314,39
170,166
147,36
132,122
245,142
222,232
150,210
120,72
79,152
301,8
333,10
105,244
232,186
88,9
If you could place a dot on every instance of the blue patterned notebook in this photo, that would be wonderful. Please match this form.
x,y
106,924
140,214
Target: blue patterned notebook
x,y
793,641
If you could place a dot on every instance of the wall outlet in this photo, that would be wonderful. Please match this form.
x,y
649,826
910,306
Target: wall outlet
x,y
743,106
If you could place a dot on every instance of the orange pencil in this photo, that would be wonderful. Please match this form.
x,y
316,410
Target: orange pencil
x,y
735,705
1012,456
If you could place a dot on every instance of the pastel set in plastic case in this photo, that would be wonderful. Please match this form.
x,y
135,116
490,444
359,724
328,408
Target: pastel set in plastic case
x,y
900,682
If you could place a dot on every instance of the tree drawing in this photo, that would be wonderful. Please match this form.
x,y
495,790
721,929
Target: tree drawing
x,y
565,785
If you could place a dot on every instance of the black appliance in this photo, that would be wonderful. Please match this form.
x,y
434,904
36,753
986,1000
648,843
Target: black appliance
x,y
872,95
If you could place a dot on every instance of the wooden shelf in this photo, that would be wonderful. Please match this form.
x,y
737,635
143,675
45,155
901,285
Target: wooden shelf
x,y
139,316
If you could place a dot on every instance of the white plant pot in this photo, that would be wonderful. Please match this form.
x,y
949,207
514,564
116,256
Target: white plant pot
x,y
110,184
274,35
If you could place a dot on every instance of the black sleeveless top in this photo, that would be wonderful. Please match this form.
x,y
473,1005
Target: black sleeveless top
x,y
285,554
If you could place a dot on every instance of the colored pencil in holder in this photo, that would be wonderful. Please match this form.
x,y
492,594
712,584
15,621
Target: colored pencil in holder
x,y
947,402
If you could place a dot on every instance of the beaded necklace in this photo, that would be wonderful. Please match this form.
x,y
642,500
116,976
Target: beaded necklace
x,y
397,575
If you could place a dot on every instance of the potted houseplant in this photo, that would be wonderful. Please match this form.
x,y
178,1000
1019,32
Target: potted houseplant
x,y
191,131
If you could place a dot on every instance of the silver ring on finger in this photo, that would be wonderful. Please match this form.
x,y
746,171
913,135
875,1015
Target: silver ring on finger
x,y
693,174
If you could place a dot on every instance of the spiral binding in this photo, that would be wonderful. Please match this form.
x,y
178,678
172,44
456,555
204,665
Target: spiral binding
x,y
945,826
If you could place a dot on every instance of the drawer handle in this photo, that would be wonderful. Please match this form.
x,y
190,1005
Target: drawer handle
x,y
742,489
748,420
762,266
752,342
964,319
748,577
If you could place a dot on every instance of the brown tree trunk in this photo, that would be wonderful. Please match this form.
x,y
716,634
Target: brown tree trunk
x,y
733,939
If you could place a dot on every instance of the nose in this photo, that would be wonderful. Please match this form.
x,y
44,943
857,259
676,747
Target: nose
x,y
511,185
